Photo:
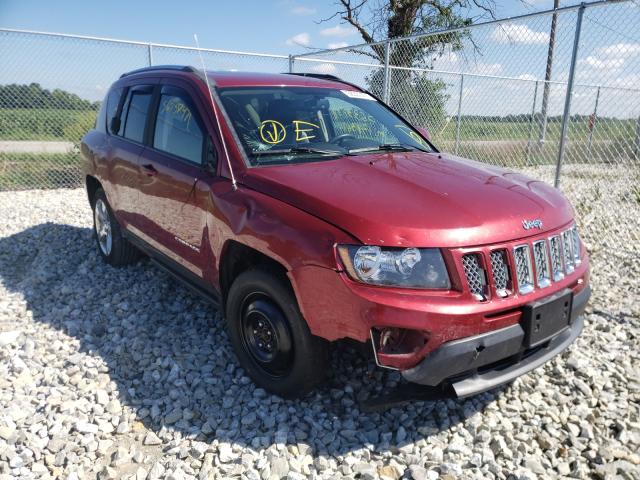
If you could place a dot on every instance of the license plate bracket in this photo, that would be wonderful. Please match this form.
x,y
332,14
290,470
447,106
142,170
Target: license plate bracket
x,y
546,317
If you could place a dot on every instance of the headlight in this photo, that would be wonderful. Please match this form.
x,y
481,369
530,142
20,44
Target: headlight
x,y
400,267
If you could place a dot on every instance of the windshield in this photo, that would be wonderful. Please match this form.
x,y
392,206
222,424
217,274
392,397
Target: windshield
x,y
278,125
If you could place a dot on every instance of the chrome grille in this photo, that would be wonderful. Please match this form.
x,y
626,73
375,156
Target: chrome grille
x,y
475,274
542,263
523,268
575,237
555,245
567,248
500,271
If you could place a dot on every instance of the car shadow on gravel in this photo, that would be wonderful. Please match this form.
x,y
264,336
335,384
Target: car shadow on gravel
x,y
175,367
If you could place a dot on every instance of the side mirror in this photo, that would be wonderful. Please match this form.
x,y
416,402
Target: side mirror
x,y
424,132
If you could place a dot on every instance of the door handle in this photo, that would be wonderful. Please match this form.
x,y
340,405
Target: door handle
x,y
149,170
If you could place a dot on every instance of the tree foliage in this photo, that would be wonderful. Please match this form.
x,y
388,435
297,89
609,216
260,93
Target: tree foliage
x,y
415,94
34,96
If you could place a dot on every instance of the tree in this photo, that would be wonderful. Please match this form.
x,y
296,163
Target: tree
x,y
420,98
34,96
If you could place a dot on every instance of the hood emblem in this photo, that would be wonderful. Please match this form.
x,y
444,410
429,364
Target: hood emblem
x,y
529,224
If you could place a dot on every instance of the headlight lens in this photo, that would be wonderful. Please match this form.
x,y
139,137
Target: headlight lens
x,y
401,267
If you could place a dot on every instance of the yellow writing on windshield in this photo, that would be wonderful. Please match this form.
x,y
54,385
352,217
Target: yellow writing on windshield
x,y
272,131
414,136
301,131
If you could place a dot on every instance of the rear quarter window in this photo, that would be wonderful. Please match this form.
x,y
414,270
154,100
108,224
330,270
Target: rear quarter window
x,y
136,114
111,110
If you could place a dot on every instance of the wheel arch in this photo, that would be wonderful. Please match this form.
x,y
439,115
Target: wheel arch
x,y
238,257
92,185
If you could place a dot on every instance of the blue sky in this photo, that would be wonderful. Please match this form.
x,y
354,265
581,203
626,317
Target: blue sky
x,y
609,50
278,26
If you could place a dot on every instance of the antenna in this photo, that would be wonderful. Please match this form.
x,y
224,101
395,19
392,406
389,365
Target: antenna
x,y
215,113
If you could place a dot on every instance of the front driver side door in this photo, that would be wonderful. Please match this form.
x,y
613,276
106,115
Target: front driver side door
x,y
176,170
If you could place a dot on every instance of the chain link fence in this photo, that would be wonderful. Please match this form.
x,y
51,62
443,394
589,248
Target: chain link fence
x,y
553,94
51,86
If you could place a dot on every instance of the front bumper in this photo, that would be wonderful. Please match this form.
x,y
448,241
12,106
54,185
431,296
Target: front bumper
x,y
479,363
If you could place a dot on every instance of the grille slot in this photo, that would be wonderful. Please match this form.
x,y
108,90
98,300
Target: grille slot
x,y
575,238
555,245
567,248
524,274
476,278
500,272
542,263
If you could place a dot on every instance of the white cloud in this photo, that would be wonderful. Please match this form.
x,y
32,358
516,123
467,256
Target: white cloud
x,y
303,10
338,45
337,31
599,64
518,33
611,57
301,39
526,76
324,68
487,68
620,50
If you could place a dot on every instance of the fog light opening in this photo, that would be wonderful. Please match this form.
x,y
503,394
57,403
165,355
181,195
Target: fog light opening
x,y
390,342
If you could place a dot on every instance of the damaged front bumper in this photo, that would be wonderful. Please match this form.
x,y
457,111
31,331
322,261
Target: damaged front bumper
x,y
479,363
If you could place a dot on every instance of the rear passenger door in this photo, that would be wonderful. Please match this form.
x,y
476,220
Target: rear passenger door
x,y
176,171
126,127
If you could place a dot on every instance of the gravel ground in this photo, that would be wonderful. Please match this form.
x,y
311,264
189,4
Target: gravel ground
x,y
114,373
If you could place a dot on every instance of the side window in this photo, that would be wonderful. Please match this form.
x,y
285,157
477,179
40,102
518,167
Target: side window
x,y
113,100
136,113
178,128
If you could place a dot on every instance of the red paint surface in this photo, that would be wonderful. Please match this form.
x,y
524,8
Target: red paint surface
x,y
296,214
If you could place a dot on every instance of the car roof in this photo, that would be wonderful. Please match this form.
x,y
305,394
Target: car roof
x,y
249,79
225,79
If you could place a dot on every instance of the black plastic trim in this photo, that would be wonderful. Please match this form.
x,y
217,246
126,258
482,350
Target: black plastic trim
x,y
472,353
177,271
178,68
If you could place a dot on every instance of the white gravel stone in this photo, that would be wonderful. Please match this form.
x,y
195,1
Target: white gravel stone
x,y
96,361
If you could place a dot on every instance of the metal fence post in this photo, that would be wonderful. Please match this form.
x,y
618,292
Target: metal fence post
x,y
532,121
291,60
385,77
593,122
150,54
459,114
637,139
569,93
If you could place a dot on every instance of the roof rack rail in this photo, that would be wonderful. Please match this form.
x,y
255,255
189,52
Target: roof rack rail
x,y
323,76
178,68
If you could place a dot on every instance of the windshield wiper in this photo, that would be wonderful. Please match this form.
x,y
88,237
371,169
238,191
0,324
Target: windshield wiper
x,y
284,151
388,147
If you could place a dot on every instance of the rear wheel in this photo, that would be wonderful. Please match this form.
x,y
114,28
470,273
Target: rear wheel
x,y
112,246
271,338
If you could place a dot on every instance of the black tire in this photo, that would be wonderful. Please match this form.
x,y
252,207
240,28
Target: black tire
x,y
300,361
119,252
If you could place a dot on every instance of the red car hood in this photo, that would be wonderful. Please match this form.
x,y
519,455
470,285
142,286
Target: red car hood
x,y
416,199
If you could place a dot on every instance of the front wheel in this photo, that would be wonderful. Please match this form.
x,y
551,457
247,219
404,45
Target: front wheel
x,y
271,338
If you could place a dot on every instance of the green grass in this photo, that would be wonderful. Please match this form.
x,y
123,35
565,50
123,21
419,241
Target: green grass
x,y
40,124
22,171
472,128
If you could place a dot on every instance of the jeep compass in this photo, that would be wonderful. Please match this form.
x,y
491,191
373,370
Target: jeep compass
x,y
310,211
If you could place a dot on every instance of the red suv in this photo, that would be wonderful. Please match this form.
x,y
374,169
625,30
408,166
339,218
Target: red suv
x,y
310,211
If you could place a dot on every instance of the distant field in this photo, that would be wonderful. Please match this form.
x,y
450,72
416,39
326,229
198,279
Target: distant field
x,y
478,129
45,124
498,142
23,171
